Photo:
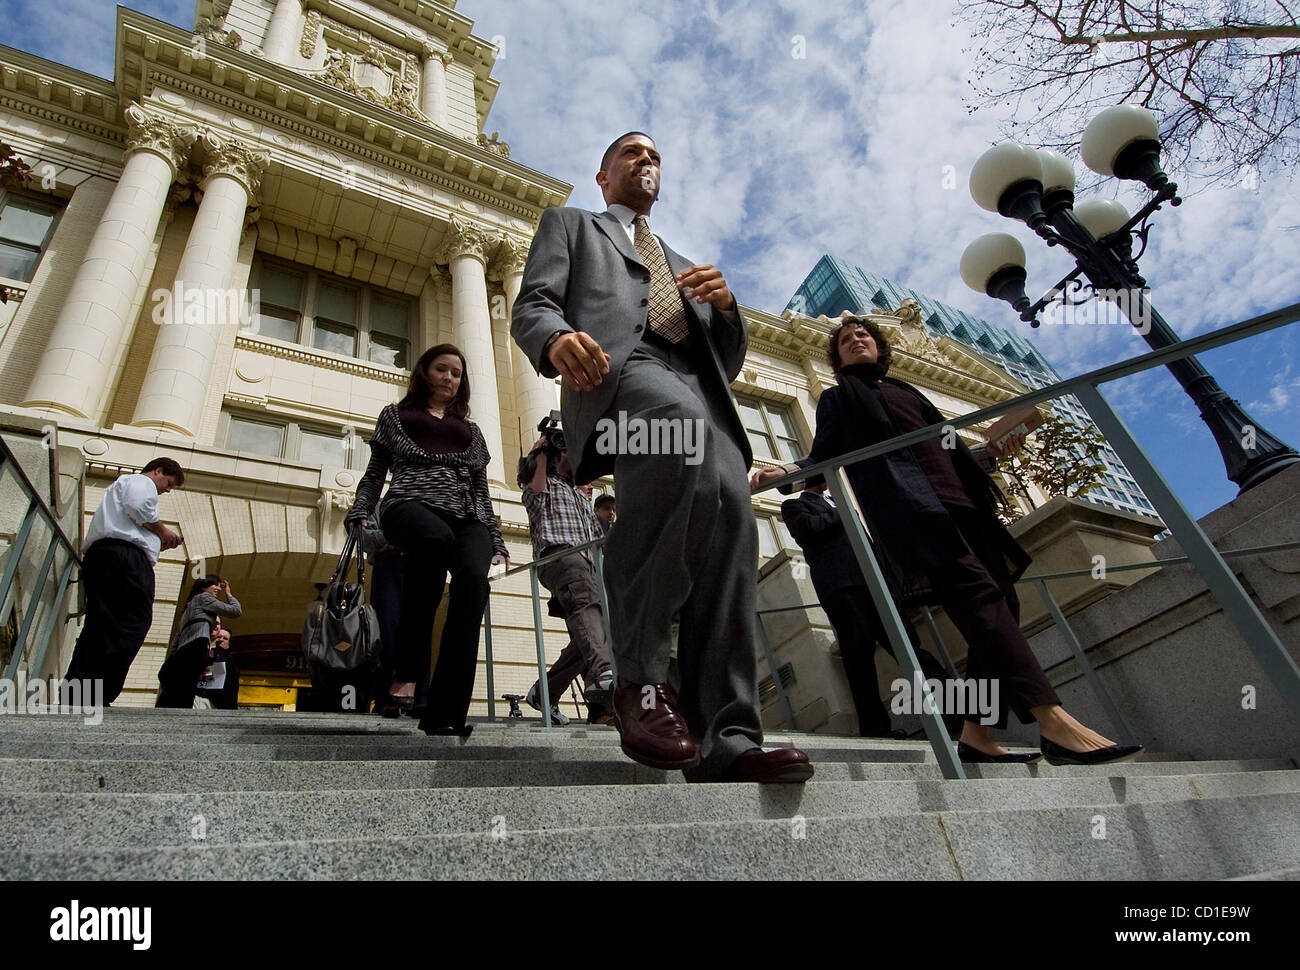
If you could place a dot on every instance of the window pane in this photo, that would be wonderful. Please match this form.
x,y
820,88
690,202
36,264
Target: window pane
x,y
252,436
389,316
280,324
25,222
18,262
782,422
790,450
337,303
322,449
767,546
281,287
760,445
751,416
336,339
388,350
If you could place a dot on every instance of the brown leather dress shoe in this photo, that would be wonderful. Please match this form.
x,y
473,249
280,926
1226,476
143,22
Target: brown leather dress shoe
x,y
651,731
780,766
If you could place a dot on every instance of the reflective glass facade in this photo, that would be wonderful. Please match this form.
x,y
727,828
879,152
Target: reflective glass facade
x,y
834,286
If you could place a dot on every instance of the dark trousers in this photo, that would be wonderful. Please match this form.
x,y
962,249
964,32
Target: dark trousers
x,y
178,680
386,597
977,593
859,631
434,545
119,611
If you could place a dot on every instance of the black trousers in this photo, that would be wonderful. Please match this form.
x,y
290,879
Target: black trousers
x,y
980,599
119,611
178,680
859,631
386,597
434,545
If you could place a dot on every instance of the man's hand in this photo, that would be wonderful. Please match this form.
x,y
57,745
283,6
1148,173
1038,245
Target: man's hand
x,y
1012,442
763,476
225,588
579,360
704,284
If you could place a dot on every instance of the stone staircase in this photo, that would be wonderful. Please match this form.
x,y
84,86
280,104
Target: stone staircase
x,y
267,795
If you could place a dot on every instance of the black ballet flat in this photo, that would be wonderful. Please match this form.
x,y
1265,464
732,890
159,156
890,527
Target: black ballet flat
x,y
394,706
1057,755
447,731
974,756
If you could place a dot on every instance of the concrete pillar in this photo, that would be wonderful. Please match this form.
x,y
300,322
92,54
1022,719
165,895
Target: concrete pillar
x,y
96,315
466,251
181,366
535,396
283,34
433,86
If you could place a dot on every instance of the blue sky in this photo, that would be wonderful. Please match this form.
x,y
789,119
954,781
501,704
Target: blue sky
x,y
790,129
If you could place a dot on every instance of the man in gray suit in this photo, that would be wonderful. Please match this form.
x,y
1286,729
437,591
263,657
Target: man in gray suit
x,y
647,344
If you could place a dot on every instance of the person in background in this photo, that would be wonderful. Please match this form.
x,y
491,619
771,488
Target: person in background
x,y
606,511
931,511
219,685
121,548
438,512
188,656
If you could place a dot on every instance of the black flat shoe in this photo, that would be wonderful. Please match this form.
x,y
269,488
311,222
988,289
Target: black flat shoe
x,y
1057,755
394,706
447,731
974,756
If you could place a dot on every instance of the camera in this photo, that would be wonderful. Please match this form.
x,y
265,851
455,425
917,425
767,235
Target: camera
x,y
550,430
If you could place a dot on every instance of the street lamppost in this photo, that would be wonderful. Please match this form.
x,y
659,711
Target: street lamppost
x,y
1037,188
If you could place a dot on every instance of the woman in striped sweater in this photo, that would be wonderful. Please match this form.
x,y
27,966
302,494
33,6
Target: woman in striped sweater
x,y
438,512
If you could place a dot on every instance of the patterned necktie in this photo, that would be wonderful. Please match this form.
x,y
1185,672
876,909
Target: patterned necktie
x,y
667,315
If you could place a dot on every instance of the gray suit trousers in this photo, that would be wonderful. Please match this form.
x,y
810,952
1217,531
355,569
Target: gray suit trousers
x,y
685,548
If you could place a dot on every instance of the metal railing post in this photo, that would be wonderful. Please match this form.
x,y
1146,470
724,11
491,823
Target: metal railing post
x,y
56,612
21,642
944,751
16,551
935,635
487,646
781,695
541,647
1081,658
1218,576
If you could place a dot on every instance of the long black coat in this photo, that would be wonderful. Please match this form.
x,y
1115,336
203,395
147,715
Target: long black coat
x,y
913,531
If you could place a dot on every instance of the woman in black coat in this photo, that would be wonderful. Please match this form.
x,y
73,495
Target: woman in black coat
x,y
931,512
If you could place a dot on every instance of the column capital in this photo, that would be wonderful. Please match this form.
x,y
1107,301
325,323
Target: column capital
x,y
166,139
508,259
465,239
235,160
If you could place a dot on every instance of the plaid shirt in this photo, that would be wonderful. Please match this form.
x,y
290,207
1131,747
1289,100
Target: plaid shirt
x,y
560,516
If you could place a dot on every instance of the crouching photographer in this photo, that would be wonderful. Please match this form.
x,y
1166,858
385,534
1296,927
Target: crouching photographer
x,y
560,516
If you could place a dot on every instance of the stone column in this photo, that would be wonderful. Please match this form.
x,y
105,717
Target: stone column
x,y
466,250
181,366
283,35
534,394
96,315
433,86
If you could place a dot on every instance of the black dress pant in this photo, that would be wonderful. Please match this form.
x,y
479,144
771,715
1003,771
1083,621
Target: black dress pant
x,y
119,611
178,680
386,578
859,631
977,593
433,545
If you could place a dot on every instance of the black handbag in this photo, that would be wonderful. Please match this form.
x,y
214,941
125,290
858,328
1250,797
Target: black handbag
x,y
341,631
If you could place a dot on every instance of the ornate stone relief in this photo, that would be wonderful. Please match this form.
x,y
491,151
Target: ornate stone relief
x,y
464,239
146,133
509,258
235,160
310,31
494,144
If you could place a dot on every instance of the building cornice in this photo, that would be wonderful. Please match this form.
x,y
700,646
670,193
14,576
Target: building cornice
x,y
58,94
315,358
151,52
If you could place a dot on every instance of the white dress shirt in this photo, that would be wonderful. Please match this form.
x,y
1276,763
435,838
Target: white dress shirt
x,y
128,504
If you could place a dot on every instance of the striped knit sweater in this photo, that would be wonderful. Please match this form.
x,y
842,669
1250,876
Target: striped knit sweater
x,y
454,483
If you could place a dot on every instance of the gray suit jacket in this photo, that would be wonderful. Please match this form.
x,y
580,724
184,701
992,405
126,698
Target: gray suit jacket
x,y
584,274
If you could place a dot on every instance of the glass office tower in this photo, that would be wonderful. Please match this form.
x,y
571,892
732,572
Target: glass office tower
x,y
834,286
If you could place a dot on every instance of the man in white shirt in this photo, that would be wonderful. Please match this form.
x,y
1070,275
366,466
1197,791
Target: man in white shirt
x,y
121,548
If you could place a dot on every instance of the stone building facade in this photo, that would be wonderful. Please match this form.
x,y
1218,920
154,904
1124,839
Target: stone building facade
x,y
232,252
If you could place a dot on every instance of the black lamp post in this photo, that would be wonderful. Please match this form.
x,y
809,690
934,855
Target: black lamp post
x,y
1037,188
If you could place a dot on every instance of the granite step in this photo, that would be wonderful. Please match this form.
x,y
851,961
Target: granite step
x,y
1207,838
